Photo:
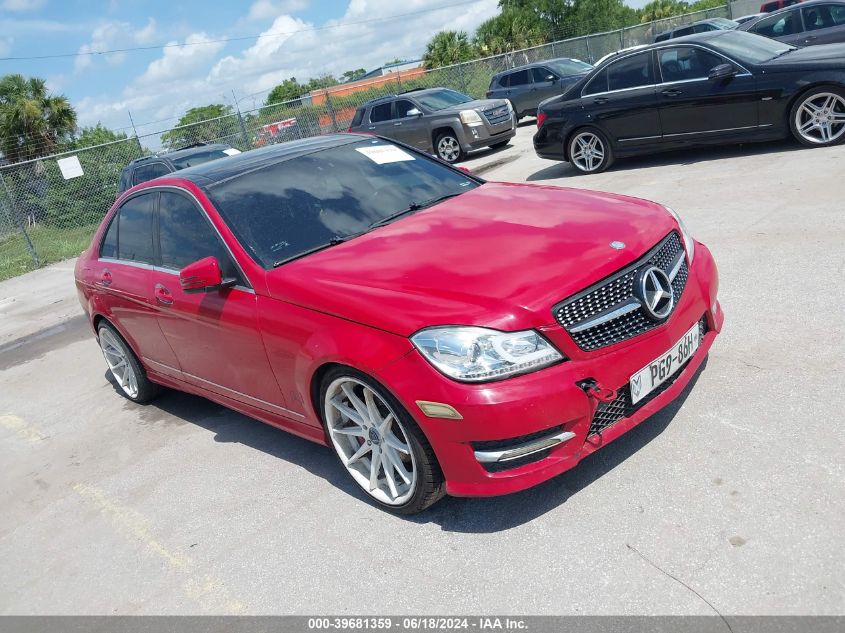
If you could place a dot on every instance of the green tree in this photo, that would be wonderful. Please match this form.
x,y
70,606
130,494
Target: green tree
x,y
352,75
512,29
447,47
288,90
93,135
33,122
659,9
595,16
203,124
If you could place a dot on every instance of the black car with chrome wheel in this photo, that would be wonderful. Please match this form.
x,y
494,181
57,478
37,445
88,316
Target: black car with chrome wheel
x,y
721,87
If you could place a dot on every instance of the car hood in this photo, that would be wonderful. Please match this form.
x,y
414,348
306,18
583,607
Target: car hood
x,y
498,256
810,57
475,104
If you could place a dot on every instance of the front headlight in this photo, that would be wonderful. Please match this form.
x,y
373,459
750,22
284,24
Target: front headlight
x,y
689,243
477,354
471,117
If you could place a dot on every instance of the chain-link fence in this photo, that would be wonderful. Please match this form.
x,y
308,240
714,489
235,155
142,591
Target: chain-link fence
x,y
50,206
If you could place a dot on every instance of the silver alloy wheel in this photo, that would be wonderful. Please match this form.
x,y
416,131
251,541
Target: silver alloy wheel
x,y
587,151
448,149
118,363
370,440
821,118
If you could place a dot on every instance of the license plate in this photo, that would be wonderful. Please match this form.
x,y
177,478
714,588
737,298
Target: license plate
x,y
660,370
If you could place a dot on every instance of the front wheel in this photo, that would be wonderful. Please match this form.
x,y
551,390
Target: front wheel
x,y
589,152
378,443
448,148
818,118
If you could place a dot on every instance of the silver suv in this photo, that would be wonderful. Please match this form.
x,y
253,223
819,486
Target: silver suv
x,y
439,121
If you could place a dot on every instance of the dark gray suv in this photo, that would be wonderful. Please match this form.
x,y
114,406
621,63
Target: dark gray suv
x,y
149,167
526,86
439,121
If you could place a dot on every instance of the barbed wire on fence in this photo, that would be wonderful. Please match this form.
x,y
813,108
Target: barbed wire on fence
x,y
44,206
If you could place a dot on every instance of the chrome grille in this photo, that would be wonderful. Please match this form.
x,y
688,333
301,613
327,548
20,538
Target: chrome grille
x,y
602,301
497,115
609,413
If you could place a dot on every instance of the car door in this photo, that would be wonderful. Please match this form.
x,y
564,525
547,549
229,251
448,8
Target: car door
x,y
126,260
214,335
622,100
546,83
785,26
519,87
823,24
693,107
381,115
410,128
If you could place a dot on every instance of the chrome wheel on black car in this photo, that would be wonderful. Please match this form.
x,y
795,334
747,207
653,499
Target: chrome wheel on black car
x,y
818,118
589,152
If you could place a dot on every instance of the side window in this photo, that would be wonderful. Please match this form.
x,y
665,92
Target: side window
x,y
381,112
819,16
597,84
125,180
505,81
403,106
520,78
541,75
135,229
147,172
631,72
778,25
358,118
686,30
837,13
185,235
109,246
685,63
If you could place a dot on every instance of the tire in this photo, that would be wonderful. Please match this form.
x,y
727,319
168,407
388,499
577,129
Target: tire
x,y
130,376
357,440
448,148
589,151
499,144
817,118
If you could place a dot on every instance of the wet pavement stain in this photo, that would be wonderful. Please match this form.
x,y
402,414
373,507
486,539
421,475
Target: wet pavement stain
x,y
41,343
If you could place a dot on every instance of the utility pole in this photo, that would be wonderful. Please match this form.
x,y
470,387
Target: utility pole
x,y
137,140
241,119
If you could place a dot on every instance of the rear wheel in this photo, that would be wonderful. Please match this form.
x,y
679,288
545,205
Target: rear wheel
x,y
589,151
378,443
448,148
131,379
818,117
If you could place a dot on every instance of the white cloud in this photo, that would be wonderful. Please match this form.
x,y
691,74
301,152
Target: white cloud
x,y
110,35
23,5
187,76
271,9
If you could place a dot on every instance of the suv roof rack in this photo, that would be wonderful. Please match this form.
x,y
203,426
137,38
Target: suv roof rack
x,y
197,144
404,92
378,100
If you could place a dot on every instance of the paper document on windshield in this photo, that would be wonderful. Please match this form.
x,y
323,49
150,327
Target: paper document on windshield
x,y
383,154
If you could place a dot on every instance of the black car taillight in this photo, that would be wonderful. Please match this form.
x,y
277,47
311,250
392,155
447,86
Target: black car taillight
x,y
541,118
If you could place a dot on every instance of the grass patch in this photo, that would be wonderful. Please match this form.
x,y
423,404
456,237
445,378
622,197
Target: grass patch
x,y
52,245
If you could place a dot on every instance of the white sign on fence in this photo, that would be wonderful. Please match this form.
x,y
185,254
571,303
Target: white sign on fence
x,y
70,167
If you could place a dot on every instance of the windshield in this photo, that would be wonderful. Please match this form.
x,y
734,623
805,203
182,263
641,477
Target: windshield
x,y
287,209
724,23
202,157
749,48
441,99
566,67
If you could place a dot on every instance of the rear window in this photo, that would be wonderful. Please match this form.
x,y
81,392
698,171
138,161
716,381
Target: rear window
x,y
146,172
381,112
135,229
631,72
520,78
358,118
199,158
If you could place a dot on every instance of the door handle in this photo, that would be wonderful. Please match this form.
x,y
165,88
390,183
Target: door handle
x,y
810,38
105,278
600,100
398,123
163,295
372,127
671,92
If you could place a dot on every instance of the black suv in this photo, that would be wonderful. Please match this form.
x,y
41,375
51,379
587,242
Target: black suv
x,y
526,86
439,121
149,167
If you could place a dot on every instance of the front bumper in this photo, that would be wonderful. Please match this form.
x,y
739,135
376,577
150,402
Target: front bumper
x,y
480,136
549,402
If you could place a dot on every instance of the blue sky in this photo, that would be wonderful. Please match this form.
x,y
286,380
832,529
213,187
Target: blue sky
x,y
158,85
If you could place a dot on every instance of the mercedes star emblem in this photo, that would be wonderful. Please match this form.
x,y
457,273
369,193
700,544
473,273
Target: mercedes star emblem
x,y
655,293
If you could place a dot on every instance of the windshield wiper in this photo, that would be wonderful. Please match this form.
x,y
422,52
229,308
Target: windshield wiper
x,y
332,242
414,206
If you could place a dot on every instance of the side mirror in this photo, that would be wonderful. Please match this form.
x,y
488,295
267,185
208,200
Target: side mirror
x,y
203,276
551,78
414,112
721,71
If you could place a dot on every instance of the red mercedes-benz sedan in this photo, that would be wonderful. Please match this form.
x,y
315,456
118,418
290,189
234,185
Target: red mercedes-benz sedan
x,y
440,333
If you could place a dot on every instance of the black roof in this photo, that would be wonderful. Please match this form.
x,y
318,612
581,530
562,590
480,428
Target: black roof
x,y
207,174
183,152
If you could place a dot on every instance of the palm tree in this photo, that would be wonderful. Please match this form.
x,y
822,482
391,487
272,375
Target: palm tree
x,y
32,122
660,9
446,48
